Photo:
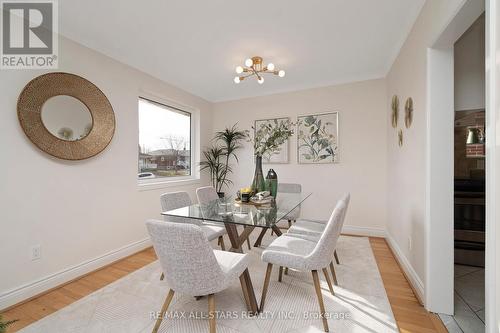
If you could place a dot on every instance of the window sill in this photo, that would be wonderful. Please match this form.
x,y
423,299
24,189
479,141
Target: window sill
x,y
159,184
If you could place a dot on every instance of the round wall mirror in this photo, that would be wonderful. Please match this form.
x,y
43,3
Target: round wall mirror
x,y
66,118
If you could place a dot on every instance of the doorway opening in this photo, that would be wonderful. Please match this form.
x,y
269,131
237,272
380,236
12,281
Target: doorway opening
x,y
469,179
456,104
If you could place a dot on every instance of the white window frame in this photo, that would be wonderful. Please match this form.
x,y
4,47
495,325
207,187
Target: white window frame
x,y
194,178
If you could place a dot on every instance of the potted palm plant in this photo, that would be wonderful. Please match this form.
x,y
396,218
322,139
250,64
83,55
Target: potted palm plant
x,y
5,324
219,156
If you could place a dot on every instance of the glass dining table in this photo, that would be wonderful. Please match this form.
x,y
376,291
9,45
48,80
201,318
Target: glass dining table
x,y
231,213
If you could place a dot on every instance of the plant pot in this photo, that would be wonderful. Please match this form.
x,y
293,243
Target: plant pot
x,y
220,194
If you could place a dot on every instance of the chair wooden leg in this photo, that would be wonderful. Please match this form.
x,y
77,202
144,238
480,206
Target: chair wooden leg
x,y
327,278
336,257
163,310
266,285
211,312
320,299
286,270
280,275
334,275
162,276
221,243
248,243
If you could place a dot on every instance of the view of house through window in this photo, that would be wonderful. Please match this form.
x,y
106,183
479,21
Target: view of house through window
x,y
164,141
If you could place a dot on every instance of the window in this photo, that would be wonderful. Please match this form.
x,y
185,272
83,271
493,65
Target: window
x,y
164,141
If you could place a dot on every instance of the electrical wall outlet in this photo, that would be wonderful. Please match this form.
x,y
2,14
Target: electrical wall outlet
x,y
409,244
36,252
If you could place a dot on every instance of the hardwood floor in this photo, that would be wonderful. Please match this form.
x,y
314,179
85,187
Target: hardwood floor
x,y
410,316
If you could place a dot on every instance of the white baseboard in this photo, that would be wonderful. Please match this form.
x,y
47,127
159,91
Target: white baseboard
x,y
363,231
415,280
31,289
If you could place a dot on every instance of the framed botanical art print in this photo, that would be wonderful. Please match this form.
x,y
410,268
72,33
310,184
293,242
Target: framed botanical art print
x,y
317,138
282,155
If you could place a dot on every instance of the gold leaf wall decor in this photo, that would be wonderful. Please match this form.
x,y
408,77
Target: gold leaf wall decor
x,y
408,112
395,111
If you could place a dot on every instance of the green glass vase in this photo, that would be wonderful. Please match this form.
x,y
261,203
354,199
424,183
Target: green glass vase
x,y
258,184
272,182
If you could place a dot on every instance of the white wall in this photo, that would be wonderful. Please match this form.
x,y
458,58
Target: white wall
x,y
363,145
76,211
407,167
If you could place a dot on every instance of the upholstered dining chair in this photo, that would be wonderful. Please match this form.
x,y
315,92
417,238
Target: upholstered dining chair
x,y
295,213
291,188
306,255
175,200
190,264
207,194
312,230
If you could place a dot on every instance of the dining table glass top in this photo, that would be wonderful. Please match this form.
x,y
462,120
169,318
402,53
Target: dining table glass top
x,y
228,210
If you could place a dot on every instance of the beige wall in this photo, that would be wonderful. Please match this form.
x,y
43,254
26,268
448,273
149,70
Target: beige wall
x,y
407,165
362,152
76,211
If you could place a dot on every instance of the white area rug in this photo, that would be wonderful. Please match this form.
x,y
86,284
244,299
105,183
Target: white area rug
x,y
127,305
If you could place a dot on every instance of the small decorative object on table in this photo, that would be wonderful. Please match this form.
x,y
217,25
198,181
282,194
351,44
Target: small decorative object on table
x,y
245,194
262,198
272,182
267,140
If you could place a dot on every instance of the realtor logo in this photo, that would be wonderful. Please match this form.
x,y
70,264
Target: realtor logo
x,y
29,34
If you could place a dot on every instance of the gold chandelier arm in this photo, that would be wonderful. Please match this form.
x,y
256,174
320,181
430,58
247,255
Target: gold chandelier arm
x,y
248,75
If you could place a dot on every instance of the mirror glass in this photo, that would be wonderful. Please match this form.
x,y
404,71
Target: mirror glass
x,y
66,118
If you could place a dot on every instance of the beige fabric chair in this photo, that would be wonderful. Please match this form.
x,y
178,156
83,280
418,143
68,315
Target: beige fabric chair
x,y
207,194
312,229
190,264
305,255
175,200
291,188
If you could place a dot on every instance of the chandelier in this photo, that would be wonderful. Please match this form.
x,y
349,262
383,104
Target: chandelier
x,y
255,67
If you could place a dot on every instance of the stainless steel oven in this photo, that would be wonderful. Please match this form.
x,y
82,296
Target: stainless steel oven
x,y
469,217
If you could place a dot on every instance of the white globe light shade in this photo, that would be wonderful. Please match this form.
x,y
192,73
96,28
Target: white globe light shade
x,y
237,79
249,62
270,66
281,73
239,69
261,80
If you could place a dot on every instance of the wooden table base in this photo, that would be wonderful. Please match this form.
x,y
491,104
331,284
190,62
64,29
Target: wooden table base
x,y
276,230
246,281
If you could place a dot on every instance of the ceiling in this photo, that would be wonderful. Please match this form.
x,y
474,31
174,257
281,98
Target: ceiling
x,y
196,45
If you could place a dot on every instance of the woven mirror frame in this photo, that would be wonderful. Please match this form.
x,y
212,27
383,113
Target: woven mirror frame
x,y
44,87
